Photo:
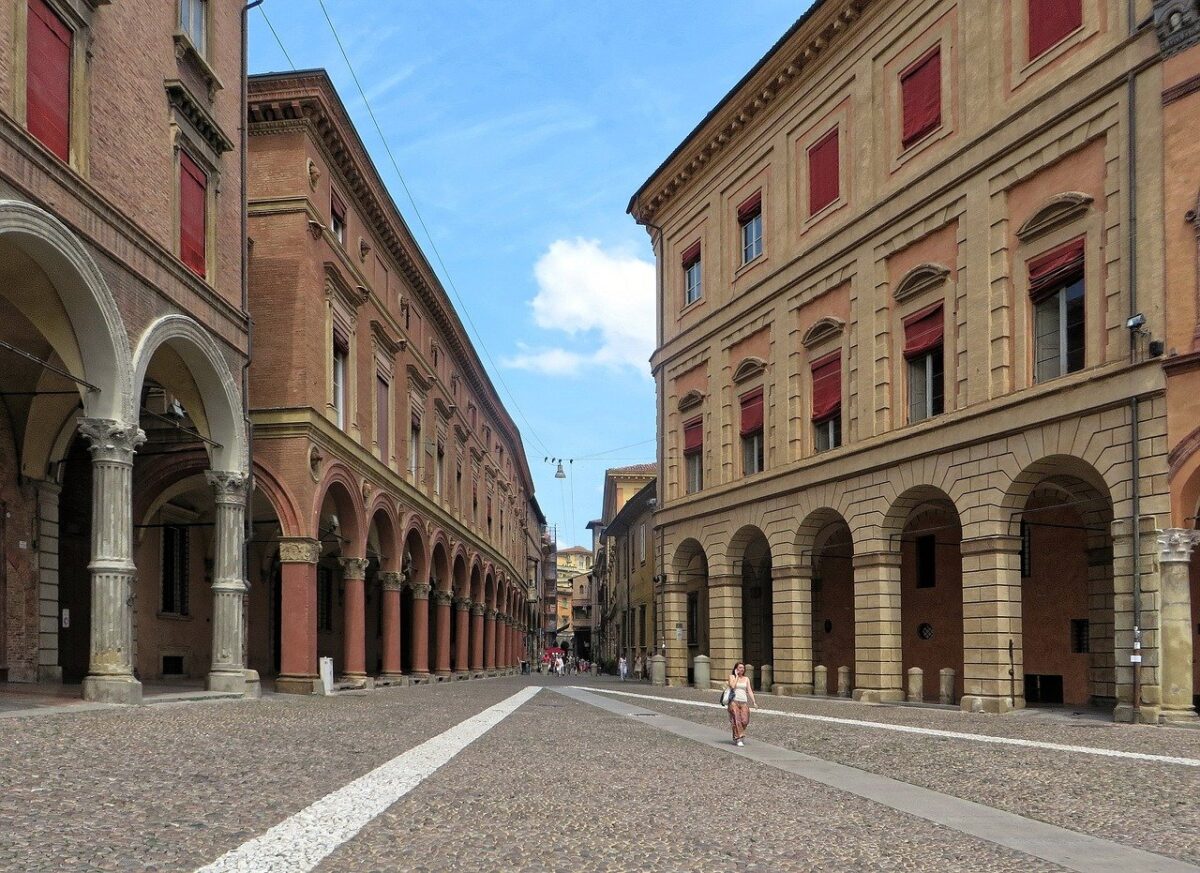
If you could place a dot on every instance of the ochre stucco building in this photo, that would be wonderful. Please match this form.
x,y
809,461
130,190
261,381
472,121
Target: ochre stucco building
x,y
123,441
927,364
395,529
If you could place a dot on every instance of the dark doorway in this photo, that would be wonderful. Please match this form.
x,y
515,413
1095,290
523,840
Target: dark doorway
x,y
74,554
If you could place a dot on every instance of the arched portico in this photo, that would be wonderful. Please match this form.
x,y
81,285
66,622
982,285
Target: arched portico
x,y
685,608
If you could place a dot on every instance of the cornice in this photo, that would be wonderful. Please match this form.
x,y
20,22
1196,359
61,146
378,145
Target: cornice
x,y
777,74
181,98
386,342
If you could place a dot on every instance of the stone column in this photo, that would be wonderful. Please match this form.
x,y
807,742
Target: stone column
x,y
420,630
462,635
442,601
993,676
1119,660
725,624
229,588
675,632
1175,623
878,656
791,608
489,640
477,637
110,663
298,557
354,618
391,584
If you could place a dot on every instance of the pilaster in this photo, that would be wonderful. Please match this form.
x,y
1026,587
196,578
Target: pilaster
x,y
420,630
391,585
878,657
48,669
228,672
675,632
993,676
354,574
298,557
725,624
791,606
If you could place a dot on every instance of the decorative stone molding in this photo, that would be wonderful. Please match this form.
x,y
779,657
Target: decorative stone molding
x,y
478,609
314,174
821,330
442,598
921,278
462,604
491,614
111,439
299,550
388,344
228,487
200,123
1055,212
1177,23
749,367
1176,544
354,568
364,249
391,580
420,590
692,398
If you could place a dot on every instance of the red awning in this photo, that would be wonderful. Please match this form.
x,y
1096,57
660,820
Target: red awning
x,y
752,412
923,330
827,387
1050,21
693,436
691,254
751,207
1052,269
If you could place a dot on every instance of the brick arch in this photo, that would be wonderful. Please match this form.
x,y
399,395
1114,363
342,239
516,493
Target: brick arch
x,y
415,559
439,562
476,576
489,586
382,517
339,485
459,573
281,499
153,476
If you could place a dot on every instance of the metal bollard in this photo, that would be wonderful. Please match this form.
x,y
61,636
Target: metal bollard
x,y
946,689
843,681
916,685
820,680
701,671
768,678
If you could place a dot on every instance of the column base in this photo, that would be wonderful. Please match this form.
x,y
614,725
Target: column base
x,y
353,681
1125,714
1179,716
443,676
799,690
48,674
993,705
253,685
875,695
461,675
234,683
419,678
286,684
391,679
112,689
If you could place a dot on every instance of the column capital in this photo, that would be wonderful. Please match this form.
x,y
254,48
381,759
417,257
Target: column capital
x,y
991,543
299,550
228,486
491,614
462,604
876,559
111,440
477,609
420,590
354,568
1176,544
391,580
442,598
728,580
791,571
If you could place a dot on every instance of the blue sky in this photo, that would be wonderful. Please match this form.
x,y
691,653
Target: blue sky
x,y
522,128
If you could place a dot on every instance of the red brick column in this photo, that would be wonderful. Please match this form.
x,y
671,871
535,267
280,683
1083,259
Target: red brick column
x,y
298,633
441,601
477,637
462,634
354,663
420,630
489,640
391,584
502,642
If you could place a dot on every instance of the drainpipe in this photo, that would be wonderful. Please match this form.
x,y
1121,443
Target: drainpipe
x,y
248,537
1135,463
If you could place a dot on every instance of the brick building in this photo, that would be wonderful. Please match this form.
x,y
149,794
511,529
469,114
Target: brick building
x,y
123,449
927,356
395,530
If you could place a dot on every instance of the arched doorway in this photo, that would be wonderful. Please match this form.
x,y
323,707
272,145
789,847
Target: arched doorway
x,y
832,598
752,556
690,585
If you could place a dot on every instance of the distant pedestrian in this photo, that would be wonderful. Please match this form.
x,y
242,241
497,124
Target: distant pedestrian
x,y
637,667
740,703
623,667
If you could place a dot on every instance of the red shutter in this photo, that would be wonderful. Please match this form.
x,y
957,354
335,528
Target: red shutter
x,y
827,387
921,94
381,414
691,254
337,207
1047,272
751,207
693,436
48,79
752,412
823,166
923,330
1050,21
193,187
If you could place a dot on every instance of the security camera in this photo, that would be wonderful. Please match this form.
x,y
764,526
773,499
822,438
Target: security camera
x,y
1134,322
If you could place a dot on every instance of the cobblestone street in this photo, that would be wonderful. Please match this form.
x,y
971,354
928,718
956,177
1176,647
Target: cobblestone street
x,y
645,779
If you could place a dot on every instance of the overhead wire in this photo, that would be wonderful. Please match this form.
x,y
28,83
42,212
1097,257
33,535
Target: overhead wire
x,y
275,34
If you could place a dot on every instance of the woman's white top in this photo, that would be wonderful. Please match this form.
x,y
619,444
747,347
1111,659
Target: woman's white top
x,y
739,690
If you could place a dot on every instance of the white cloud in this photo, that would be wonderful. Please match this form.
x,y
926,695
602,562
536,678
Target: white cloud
x,y
605,299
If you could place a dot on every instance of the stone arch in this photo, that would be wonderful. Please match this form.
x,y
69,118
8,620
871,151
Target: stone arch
x,y
280,498
825,550
97,349
689,576
476,580
383,522
489,587
439,564
415,560
460,574
218,391
339,492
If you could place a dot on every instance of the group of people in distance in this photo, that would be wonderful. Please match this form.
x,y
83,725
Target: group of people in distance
x,y
640,666
557,664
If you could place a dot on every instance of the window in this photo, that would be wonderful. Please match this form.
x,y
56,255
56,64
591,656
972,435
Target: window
x,y
175,569
1056,289
193,214
1026,550
193,21
693,618
414,446
337,216
692,289
48,78
489,516
642,624
823,168
827,401
382,405
923,349
921,97
1050,21
642,543
439,468
458,495
926,561
341,353
1081,633
752,432
324,599
749,217
693,455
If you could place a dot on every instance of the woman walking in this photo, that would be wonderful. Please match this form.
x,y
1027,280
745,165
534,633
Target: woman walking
x,y
740,702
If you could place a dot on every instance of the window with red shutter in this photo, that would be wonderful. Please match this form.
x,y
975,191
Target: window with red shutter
x,y
753,455
827,401
193,206
1050,22
823,169
48,78
693,455
921,96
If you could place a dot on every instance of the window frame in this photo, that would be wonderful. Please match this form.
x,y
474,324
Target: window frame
x,y
1060,303
383,398
180,583
934,394
827,433
341,362
751,246
200,13
693,282
338,216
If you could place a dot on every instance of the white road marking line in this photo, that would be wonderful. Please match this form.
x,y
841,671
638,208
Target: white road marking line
x,y
301,841
929,732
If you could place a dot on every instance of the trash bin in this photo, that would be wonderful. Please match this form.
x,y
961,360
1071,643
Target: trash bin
x,y
326,670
